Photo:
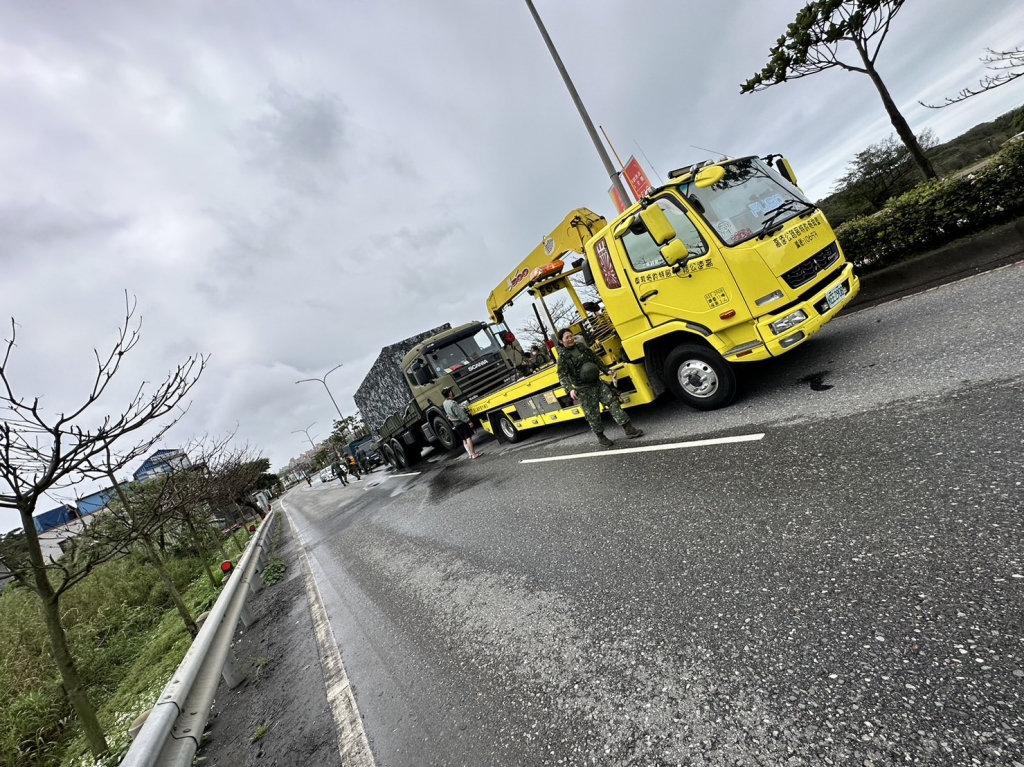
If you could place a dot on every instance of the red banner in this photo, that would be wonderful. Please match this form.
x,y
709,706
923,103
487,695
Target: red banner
x,y
636,178
620,204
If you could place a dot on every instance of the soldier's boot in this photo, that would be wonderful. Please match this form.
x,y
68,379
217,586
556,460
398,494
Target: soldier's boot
x,y
631,431
605,442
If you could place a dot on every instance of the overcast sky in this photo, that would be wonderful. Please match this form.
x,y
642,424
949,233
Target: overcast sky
x,y
290,186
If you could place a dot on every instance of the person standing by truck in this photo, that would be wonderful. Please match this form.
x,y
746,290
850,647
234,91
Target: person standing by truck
x,y
353,466
460,420
339,470
579,372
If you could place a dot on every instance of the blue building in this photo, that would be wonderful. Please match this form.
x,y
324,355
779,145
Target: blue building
x,y
161,462
90,504
47,520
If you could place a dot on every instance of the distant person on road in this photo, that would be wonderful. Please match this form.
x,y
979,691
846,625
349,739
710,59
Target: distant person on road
x,y
339,471
353,467
460,420
579,371
364,463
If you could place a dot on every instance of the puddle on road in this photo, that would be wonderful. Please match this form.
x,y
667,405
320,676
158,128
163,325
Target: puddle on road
x,y
816,380
448,482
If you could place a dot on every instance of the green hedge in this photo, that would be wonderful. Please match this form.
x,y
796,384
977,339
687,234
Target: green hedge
x,y
938,212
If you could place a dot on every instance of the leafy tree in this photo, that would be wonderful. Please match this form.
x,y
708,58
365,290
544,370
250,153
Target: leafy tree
x,y
269,481
882,171
1008,65
42,452
812,43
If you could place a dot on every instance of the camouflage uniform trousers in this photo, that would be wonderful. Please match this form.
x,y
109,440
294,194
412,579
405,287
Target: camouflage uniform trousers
x,y
591,399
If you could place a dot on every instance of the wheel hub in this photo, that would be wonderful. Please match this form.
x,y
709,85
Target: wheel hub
x,y
697,378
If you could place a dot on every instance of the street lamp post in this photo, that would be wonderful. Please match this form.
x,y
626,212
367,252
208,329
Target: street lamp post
x,y
306,432
612,173
324,382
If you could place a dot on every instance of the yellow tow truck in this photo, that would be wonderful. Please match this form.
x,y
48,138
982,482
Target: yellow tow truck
x,y
728,262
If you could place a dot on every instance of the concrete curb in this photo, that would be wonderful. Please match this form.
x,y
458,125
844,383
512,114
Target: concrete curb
x,y
972,255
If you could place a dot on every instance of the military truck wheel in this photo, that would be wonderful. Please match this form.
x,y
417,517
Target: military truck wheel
x,y
508,429
445,433
700,377
401,457
389,455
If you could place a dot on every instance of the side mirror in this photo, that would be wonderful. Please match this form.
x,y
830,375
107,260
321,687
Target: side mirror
x,y
676,252
588,274
709,176
623,226
657,224
786,170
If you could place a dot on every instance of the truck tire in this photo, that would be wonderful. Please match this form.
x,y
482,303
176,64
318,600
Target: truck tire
x,y
700,377
389,455
444,432
401,457
508,429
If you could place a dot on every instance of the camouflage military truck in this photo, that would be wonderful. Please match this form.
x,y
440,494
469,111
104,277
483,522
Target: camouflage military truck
x,y
467,358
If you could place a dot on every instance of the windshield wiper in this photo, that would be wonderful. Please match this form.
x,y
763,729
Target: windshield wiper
x,y
769,227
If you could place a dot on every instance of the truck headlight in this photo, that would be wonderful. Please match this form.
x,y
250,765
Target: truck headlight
x,y
769,298
787,322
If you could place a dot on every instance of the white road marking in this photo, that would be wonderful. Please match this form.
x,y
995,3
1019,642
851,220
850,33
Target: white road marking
x,y
352,742
649,448
410,474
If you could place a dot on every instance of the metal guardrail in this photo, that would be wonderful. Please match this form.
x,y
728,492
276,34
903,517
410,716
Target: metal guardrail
x,y
174,729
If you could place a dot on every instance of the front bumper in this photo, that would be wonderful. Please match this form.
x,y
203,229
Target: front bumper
x,y
818,314
817,310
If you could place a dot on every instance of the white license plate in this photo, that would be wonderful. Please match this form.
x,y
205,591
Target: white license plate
x,y
834,296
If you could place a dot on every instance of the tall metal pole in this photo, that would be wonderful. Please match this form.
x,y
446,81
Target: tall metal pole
x,y
324,382
612,173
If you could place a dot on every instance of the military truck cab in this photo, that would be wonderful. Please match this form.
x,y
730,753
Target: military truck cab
x,y
470,360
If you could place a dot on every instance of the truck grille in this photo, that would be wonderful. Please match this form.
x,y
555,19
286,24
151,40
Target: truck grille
x,y
488,378
804,272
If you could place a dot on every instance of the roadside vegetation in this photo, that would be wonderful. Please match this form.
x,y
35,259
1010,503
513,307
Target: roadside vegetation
x,y
89,634
884,171
126,637
936,213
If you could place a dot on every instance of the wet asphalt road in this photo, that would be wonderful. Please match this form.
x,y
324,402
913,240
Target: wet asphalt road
x,y
846,590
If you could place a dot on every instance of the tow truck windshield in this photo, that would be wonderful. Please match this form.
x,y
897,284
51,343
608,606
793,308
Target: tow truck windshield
x,y
751,200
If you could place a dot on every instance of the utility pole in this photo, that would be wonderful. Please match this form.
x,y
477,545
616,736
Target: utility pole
x,y
612,173
324,382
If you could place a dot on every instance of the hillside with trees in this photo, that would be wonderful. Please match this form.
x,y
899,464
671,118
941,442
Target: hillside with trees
x,y
886,170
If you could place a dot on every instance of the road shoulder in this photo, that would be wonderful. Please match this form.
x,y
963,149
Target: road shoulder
x,y
284,689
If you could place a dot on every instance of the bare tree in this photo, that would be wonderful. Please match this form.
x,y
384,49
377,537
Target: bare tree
x,y
41,452
140,513
1008,65
561,310
811,45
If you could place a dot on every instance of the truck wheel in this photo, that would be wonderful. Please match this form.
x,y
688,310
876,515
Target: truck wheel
x,y
445,433
700,377
389,456
401,458
508,429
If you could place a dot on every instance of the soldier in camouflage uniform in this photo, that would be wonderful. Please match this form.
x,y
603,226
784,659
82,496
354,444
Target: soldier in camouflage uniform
x,y
590,394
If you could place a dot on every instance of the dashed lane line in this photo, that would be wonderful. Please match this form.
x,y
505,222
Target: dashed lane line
x,y
649,448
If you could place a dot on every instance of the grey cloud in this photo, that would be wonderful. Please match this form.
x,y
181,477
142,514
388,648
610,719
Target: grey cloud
x,y
24,226
300,140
